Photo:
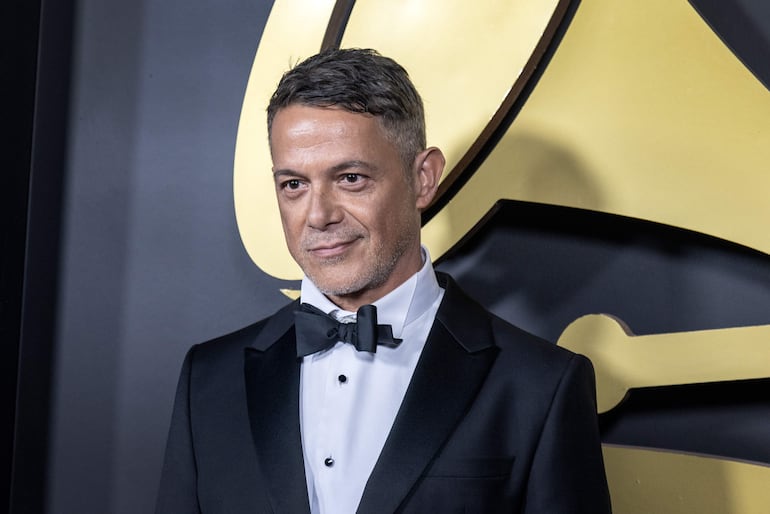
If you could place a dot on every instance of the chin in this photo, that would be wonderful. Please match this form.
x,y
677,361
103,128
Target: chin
x,y
343,279
332,288
349,284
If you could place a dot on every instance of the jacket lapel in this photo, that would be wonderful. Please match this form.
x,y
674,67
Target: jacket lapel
x,y
272,389
455,361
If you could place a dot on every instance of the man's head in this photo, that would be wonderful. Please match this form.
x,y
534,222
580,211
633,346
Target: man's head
x,y
359,81
351,172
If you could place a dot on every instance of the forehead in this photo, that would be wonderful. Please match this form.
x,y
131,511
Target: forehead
x,y
299,128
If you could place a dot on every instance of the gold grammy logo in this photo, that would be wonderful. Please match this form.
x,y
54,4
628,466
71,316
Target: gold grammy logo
x,y
631,117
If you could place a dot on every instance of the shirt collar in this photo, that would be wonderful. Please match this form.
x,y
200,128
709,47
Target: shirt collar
x,y
398,308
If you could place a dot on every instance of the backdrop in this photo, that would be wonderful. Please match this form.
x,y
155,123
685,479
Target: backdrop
x,y
134,250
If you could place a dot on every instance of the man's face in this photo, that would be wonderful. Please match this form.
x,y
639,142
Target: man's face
x,y
350,215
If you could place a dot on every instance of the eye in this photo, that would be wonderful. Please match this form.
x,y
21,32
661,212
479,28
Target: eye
x,y
352,178
291,184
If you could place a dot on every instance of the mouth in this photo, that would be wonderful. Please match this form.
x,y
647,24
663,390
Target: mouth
x,y
331,249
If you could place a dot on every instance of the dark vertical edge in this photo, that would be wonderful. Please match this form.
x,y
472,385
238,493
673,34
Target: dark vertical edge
x,y
509,108
18,39
41,260
337,23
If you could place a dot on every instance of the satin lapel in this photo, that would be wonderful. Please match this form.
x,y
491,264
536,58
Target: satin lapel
x,y
272,382
455,361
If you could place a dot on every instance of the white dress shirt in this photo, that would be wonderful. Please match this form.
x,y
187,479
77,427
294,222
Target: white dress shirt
x,y
349,399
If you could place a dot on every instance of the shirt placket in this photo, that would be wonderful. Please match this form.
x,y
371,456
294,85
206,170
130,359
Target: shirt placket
x,y
332,459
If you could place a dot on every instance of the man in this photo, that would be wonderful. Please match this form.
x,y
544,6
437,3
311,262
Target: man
x,y
454,410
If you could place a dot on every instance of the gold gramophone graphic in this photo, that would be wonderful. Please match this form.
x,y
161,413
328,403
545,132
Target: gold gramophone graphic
x,y
638,91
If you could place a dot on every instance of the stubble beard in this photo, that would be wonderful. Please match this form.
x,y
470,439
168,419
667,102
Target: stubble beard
x,y
383,263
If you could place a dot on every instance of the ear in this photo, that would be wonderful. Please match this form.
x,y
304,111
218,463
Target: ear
x,y
429,165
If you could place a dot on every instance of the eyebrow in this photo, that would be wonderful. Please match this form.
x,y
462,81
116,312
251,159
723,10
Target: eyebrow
x,y
286,172
346,165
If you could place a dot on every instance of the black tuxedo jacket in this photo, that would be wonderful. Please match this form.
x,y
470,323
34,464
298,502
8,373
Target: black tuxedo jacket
x,y
494,420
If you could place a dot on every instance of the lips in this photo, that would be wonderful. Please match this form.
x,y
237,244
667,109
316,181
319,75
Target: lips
x,y
331,249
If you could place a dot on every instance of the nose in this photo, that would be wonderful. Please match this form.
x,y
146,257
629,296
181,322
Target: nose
x,y
324,208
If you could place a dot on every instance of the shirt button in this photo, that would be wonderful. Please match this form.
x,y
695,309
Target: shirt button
x,y
328,462
342,379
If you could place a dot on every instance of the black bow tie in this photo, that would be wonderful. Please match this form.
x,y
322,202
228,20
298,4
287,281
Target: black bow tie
x,y
318,331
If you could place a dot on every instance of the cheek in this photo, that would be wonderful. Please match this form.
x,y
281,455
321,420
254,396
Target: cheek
x,y
393,223
291,226
289,212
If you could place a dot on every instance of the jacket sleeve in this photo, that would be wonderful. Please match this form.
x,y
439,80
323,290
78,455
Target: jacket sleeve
x,y
567,475
178,489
